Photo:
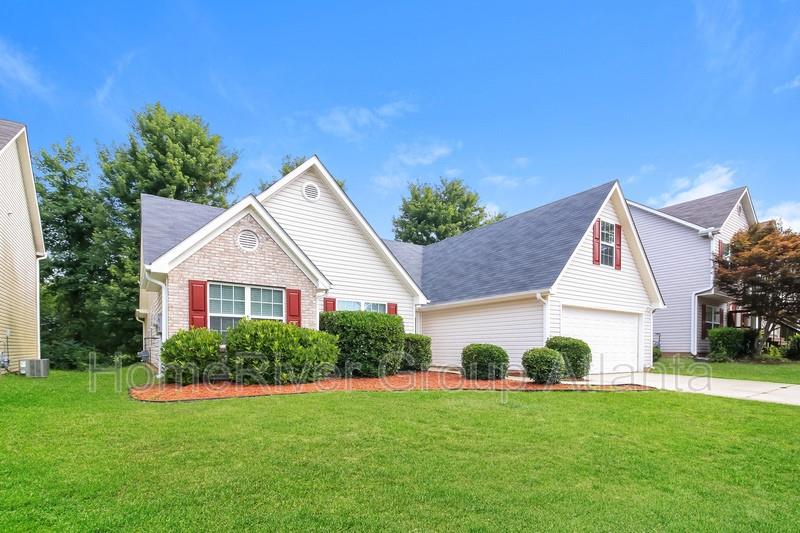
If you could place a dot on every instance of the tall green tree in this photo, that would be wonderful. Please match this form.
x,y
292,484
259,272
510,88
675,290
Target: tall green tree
x,y
433,212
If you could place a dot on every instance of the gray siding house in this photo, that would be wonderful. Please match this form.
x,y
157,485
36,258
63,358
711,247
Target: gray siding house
x,y
681,242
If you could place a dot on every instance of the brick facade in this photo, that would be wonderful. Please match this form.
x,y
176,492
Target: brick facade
x,y
222,260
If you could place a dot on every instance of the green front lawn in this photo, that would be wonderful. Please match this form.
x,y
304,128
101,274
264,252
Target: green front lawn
x,y
773,372
405,461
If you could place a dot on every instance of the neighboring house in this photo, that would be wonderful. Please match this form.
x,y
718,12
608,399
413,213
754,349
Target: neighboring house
x,y
573,267
682,242
21,248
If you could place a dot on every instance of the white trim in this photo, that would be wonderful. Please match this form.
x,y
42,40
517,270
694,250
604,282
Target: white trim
x,y
602,307
752,210
639,248
249,205
29,184
314,162
485,299
247,301
545,315
666,216
164,306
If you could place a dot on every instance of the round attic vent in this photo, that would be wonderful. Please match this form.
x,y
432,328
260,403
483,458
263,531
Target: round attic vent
x,y
247,240
310,191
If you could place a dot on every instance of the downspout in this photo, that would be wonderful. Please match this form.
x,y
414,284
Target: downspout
x,y
164,304
545,316
709,233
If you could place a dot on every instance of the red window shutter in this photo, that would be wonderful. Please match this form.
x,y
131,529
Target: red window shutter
x,y
329,304
391,308
721,251
703,327
293,306
198,312
618,247
596,242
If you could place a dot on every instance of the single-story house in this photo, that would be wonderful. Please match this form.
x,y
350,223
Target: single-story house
x,y
21,249
572,267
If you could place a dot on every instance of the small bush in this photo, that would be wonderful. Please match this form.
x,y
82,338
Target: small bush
x,y
265,351
543,365
793,347
189,355
484,361
417,352
656,353
576,353
726,343
771,353
370,344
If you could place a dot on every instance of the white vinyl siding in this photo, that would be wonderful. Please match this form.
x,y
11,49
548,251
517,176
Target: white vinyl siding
x,y
681,260
516,326
19,269
333,240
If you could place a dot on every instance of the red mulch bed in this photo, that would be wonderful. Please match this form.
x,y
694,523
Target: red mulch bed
x,y
419,381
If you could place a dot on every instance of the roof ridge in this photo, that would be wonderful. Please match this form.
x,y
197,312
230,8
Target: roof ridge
x,y
527,211
181,201
743,187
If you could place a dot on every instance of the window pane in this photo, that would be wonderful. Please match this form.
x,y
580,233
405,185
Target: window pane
x,y
227,307
214,288
215,306
238,308
255,308
277,297
214,323
238,293
607,255
255,295
375,307
277,310
606,232
227,292
348,305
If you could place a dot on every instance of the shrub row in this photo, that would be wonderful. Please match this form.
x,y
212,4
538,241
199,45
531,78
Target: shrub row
x,y
261,351
731,343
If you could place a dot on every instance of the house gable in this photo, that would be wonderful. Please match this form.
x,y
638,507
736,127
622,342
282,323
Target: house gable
x,y
632,287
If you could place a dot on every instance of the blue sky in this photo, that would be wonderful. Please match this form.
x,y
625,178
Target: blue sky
x,y
527,103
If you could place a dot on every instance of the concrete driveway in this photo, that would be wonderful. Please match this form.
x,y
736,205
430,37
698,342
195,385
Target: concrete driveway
x,y
761,391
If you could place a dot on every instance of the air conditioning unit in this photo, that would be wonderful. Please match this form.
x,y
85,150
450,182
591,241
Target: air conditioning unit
x,y
35,368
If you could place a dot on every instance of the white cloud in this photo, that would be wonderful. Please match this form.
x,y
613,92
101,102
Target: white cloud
x,y
730,49
452,172
492,208
786,212
788,86
102,93
509,182
19,74
352,123
643,171
521,161
717,178
420,154
388,181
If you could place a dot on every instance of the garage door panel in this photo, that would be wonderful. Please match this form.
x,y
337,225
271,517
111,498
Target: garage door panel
x,y
612,336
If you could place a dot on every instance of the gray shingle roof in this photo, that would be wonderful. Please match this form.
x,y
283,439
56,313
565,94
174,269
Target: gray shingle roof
x,y
708,212
8,130
410,256
523,252
167,222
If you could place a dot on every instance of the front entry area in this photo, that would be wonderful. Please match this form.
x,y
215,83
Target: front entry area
x,y
613,337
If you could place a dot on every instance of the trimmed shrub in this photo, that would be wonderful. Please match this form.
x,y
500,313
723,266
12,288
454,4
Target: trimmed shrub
x,y
543,365
190,355
793,347
576,353
417,352
656,353
725,343
484,361
370,344
265,351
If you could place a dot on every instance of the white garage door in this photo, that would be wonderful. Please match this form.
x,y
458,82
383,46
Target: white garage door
x,y
612,336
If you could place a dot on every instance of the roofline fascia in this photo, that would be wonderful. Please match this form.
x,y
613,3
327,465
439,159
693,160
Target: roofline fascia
x,y
314,161
30,196
671,218
745,192
537,293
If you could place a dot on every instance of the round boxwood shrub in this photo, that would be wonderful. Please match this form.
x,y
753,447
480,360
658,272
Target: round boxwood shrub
x,y
576,353
417,354
484,361
191,356
265,351
726,343
370,344
543,365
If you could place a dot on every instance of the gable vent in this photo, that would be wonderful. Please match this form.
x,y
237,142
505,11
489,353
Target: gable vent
x,y
247,240
310,191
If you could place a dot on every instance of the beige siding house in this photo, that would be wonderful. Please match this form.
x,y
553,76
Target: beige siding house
x,y
301,247
21,248
682,241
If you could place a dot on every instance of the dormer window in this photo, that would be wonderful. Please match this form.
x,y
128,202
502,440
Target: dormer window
x,y
607,243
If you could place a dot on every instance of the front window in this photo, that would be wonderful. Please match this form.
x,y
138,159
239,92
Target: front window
x,y
606,243
712,317
227,304
726,252
356,305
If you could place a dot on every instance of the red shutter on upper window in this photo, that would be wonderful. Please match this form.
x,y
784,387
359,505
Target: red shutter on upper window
x,y
703,326
391,308
618,247
198,312
596,243
293,306
329,304
721,251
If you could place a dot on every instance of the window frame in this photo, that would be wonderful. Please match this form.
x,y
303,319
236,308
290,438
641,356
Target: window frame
x,y
362,305
247,303
608,244
715,315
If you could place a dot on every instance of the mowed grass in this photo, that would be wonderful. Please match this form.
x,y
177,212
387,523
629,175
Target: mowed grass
x,y
753,371
404,461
